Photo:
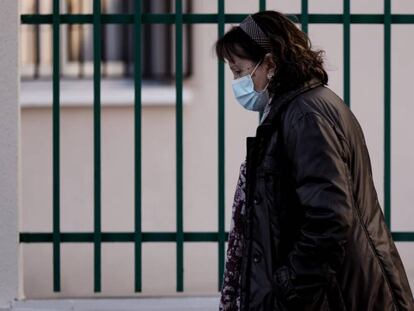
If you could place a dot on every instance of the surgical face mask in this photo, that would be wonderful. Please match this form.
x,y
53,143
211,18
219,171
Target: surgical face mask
x,y
247,96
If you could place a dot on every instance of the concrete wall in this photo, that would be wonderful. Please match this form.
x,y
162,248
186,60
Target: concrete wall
x,y
9,145
200,160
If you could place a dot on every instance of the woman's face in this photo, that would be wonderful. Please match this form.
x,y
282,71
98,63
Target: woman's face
x,y
241,67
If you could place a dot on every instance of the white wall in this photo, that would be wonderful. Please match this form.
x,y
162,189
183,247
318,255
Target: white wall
x,y
200,161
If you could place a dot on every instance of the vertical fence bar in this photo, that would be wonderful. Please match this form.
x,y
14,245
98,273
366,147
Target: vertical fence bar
x,y
305,16
221,152
347,56
179,138
262,7
137,144
97,141
56,146
387,112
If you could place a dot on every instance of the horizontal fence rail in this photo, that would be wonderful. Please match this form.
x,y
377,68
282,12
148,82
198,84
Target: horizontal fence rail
x,y
87,237
97,237
212,18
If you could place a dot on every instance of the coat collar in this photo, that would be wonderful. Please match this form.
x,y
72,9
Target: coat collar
x,y
280,100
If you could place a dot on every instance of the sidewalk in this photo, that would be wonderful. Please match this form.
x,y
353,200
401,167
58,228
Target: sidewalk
x,y
119,304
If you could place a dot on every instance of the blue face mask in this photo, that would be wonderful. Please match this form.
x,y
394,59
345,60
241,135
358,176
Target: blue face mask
x,y
247,96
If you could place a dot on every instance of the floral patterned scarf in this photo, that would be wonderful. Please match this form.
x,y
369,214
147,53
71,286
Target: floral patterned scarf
x,y
230,291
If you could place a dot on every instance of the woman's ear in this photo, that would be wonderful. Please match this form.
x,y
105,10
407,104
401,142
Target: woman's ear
x,y
270,64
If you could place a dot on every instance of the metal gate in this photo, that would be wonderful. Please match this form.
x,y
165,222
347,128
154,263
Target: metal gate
x,y
137,237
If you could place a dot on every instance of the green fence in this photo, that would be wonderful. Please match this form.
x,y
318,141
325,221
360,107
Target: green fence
x,y
97,237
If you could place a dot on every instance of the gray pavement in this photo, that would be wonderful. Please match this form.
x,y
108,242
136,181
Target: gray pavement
x,y
209,303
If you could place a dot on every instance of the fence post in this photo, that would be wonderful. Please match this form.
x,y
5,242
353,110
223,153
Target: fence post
x,y
9,152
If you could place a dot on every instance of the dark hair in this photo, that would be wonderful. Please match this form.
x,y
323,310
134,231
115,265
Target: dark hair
x,y
295,60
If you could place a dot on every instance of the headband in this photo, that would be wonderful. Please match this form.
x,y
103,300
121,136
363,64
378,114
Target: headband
x,y
249,26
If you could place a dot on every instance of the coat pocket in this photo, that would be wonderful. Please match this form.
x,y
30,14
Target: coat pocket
x,y
335,298
324,298
328,298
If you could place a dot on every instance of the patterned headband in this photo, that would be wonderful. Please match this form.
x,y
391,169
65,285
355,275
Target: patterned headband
x,y
249,26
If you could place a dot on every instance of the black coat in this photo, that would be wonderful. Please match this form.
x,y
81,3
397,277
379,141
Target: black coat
x,y
316,237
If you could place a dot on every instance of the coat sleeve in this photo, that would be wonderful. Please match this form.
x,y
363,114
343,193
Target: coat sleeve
x,y
322,187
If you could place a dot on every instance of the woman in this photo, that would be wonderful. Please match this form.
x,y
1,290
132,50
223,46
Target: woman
x,y
307,231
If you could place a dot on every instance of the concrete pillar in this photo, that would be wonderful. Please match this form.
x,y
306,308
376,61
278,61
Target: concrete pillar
x,y
9,152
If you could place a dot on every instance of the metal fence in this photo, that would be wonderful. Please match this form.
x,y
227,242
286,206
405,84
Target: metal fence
x,y
137,19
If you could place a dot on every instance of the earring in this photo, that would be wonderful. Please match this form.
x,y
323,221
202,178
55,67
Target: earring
x,y
270,75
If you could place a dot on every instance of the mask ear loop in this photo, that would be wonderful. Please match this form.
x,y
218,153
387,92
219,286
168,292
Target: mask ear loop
x,y
269,77
257,65
264,88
